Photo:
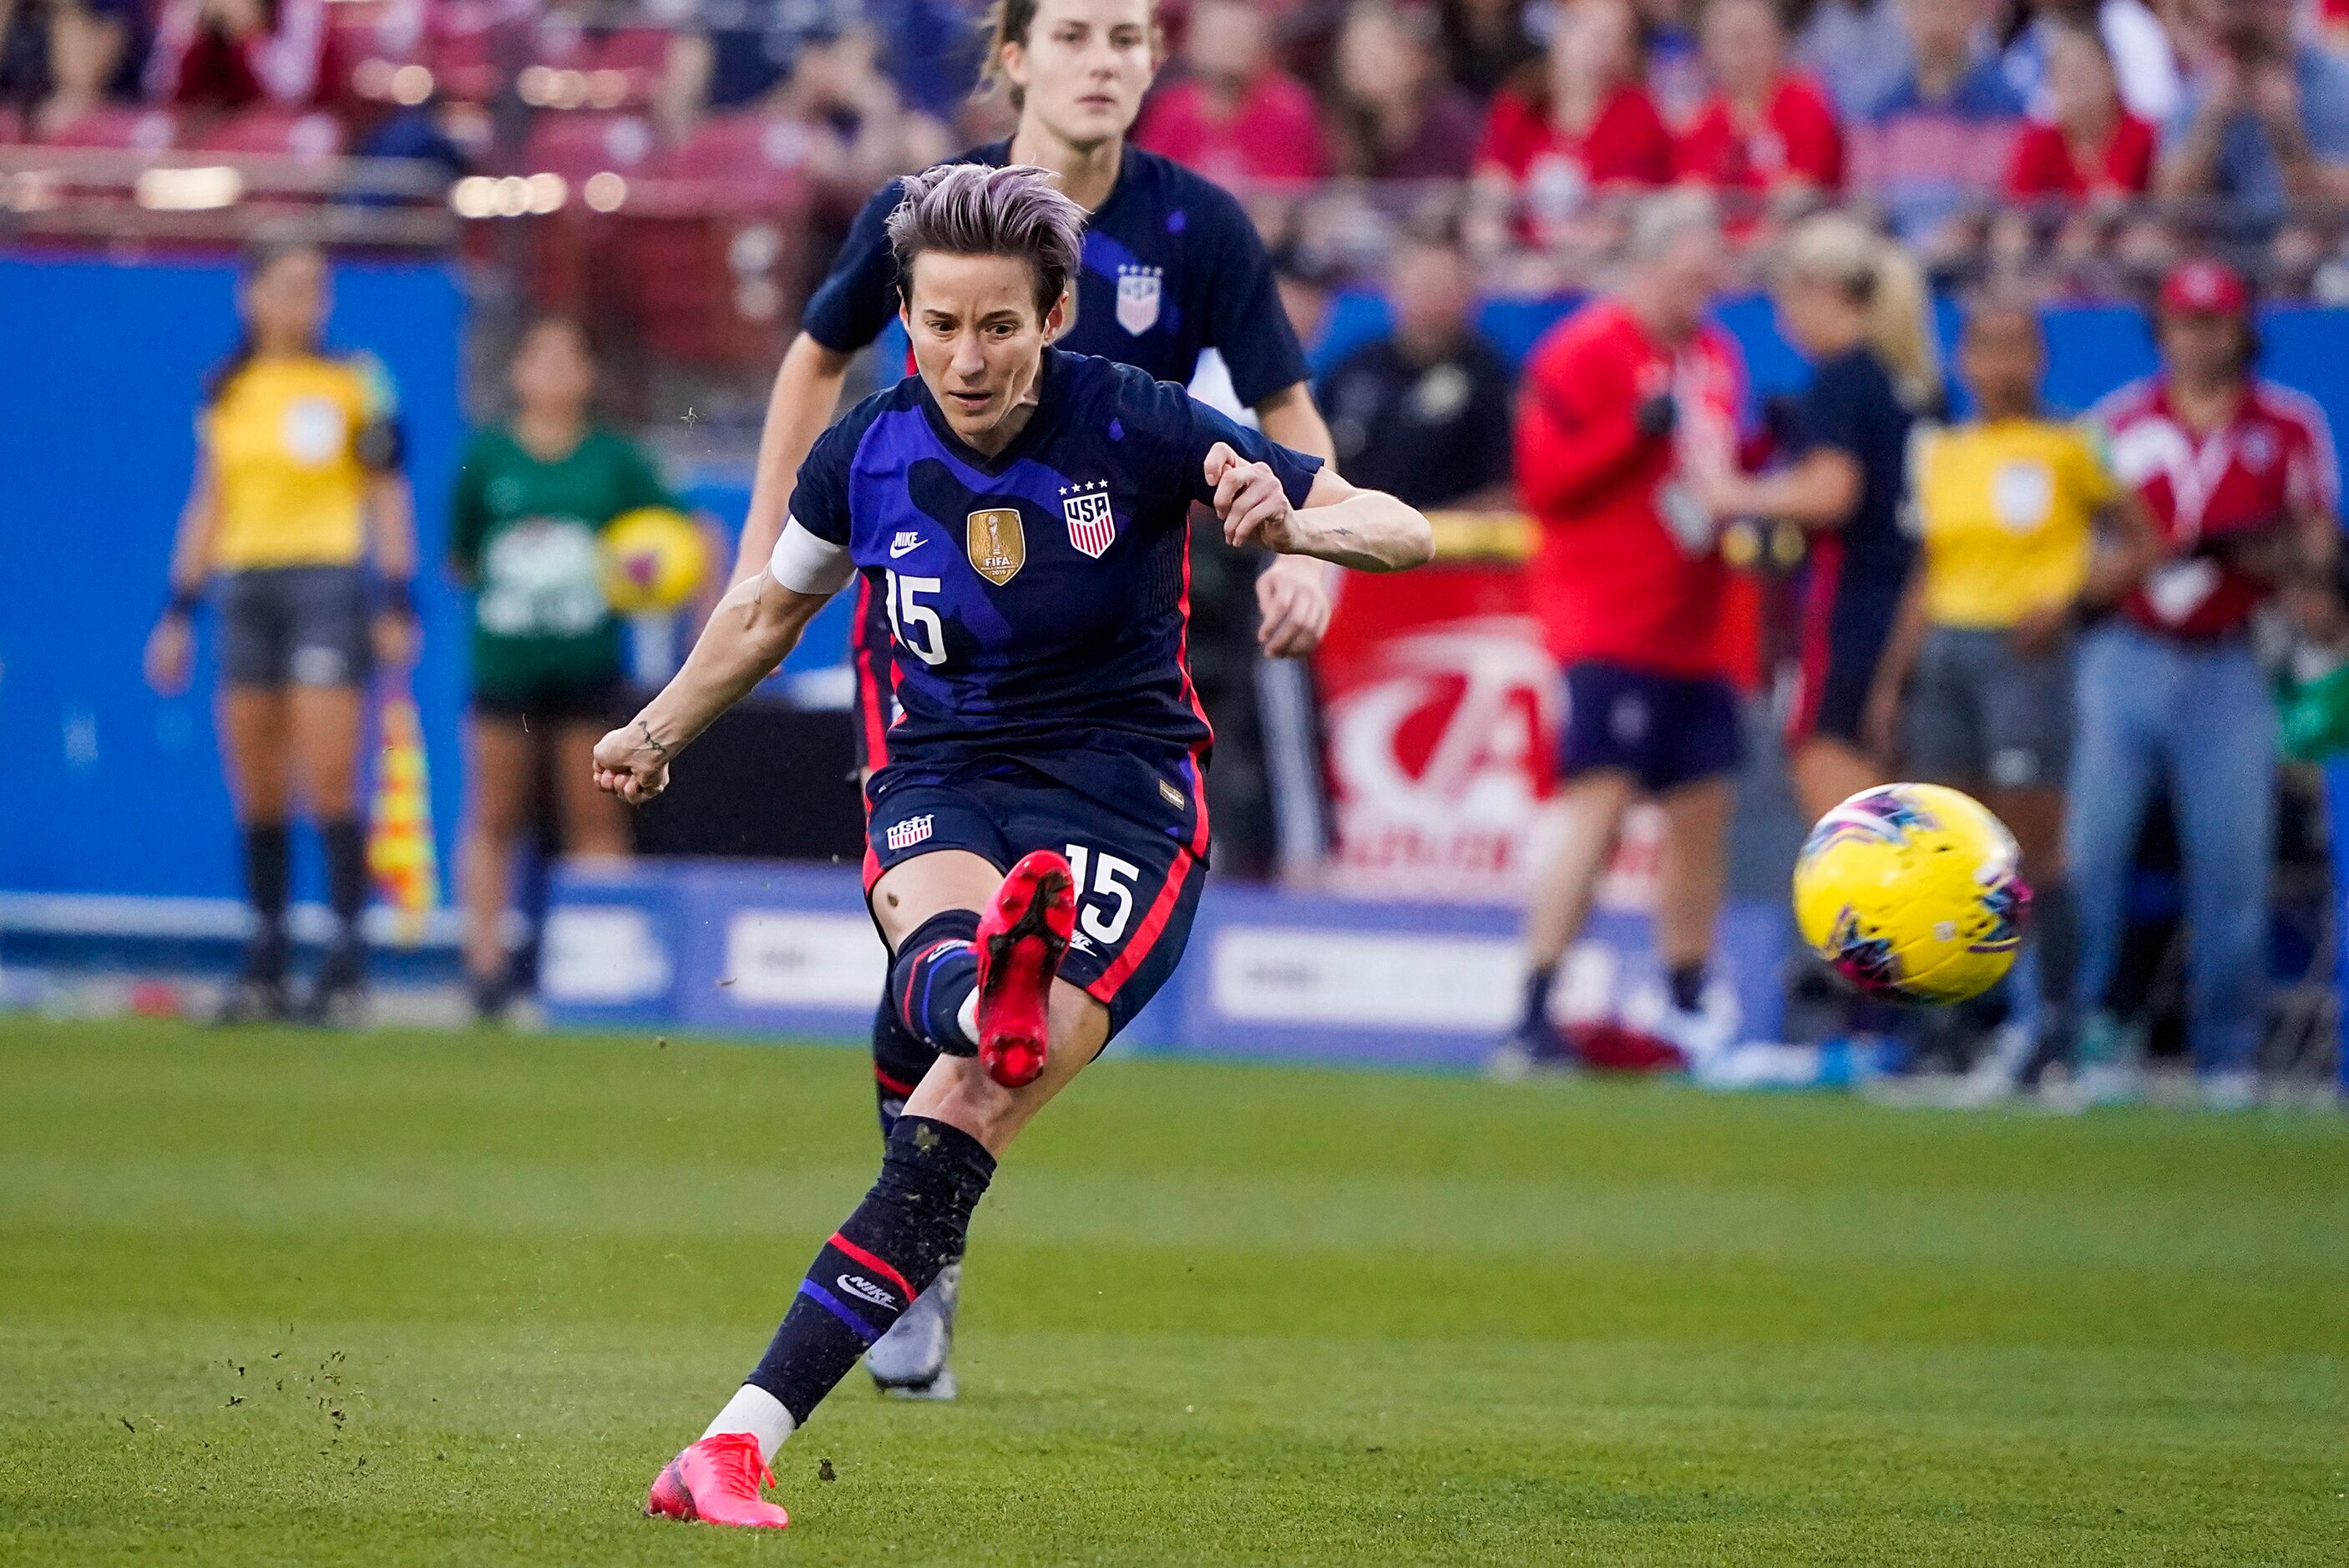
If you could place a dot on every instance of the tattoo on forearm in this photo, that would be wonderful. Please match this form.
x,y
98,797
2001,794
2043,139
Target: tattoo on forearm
x,y
651,739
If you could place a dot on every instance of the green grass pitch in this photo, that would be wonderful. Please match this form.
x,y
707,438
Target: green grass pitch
x,y
388,1299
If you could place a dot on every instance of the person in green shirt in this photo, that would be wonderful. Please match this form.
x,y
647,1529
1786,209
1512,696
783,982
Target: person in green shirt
x,y
548,665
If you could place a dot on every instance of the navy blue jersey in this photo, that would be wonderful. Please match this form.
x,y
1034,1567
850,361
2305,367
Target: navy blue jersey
x,y
1172,266
1038,599
1850,406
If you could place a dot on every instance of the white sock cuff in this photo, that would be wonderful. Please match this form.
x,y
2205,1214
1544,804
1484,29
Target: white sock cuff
x,y
966,1016
755,1410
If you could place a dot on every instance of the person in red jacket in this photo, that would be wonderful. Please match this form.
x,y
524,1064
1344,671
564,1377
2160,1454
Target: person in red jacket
x,y
1619,403
2076,177
1768,136
2092,147
1237,116
1573,126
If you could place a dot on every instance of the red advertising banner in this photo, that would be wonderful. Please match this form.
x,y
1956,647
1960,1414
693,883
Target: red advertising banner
x,y
1443,711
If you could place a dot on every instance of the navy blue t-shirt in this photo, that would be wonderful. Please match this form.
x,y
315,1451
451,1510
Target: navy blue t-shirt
x,y
1172,266
1852,407
1038,599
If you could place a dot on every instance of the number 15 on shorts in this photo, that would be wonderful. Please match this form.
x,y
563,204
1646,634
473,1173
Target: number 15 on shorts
x,y
1107,894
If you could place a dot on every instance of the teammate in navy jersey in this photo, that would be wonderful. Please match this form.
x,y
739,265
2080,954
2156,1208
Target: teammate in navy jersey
x,y
1172,267
1035,843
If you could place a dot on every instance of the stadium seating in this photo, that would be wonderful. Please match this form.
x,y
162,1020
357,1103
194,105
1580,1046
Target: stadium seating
x,y
309,134
742,163
134,129
587,142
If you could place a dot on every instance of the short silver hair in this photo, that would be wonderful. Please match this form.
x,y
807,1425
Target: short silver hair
x,y
972,209
1661,220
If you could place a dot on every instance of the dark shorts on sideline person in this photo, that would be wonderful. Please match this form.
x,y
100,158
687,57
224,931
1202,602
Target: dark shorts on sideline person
x,y
294,626
1137,885
1980,713
1663,730
604,703
1846,625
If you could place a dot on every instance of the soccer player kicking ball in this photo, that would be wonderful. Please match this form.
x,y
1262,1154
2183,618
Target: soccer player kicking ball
x,y
1022,512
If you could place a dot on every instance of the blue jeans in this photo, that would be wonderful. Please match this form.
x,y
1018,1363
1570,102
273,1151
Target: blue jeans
x,y
2199,717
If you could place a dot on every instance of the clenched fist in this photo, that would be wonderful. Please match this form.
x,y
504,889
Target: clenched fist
x,y
1249,500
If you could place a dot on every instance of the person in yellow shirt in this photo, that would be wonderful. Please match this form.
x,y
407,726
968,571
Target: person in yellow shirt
x,y
298,487
2024,531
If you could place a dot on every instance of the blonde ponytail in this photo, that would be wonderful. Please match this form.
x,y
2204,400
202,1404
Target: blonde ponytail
x,y
1882,277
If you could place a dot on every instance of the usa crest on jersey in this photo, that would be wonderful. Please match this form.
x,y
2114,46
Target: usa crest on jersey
x,y
1138,292
1091,526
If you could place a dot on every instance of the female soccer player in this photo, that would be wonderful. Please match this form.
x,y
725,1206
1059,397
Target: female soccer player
x,y
531,497
1172,267
1855,304
1035,839
298,483
2007,507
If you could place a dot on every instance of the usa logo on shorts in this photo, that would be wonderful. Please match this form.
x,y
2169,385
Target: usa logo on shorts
x,y
904,835
1091,527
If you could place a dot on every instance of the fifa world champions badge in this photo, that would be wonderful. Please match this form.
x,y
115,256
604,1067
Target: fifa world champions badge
x,y
998,548
1093,529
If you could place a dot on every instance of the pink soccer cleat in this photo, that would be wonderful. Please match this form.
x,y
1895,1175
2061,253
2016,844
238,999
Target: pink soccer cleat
x,y
717,1482
1021,940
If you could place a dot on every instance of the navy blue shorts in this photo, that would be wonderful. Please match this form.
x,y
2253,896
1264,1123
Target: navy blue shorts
x,y
1137,886
1846,625
1663,730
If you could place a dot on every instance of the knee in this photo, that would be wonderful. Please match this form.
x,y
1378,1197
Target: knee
x,y
958,1093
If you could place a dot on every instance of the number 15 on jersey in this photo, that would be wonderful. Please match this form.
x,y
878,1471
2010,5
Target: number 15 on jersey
x,y
913,624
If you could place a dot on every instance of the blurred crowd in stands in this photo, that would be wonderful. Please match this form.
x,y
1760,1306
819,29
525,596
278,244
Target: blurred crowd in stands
x,y
2087,140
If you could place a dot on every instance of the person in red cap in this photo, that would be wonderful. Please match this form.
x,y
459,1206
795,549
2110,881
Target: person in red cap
x,y
2239,475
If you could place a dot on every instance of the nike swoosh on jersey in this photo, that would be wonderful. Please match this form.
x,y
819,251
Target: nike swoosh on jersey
x,y
904,544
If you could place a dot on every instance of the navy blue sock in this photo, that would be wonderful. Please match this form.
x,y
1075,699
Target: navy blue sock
x,y
910,1225
347,873
1687,983
899,1062
1538,980
265,878
937,967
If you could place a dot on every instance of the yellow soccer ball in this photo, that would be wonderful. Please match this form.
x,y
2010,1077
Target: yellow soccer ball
x,y
1912,890
653,559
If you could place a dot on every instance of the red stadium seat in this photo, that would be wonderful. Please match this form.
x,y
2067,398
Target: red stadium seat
x,y
142,130
680,278
578,144
282,132
458,50
628,63
743,163
366,42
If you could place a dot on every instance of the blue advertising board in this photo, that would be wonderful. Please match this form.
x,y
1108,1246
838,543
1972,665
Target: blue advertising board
x,y
760,948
